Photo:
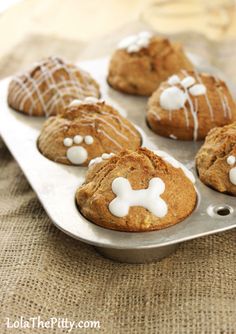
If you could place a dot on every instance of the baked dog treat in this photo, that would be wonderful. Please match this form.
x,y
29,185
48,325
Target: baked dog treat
x,y
137,191
49,86
188,105
216,160
85,130
143,61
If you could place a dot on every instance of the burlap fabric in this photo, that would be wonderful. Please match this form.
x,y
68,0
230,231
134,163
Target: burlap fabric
x,y
44,272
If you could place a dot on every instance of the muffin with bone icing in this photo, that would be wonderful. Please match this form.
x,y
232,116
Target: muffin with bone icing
x,y
137,191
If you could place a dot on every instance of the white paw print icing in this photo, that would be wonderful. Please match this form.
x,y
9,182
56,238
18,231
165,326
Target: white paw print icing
x,y
77,155
174,98
231,160
135,43
104,156
148,198
87,100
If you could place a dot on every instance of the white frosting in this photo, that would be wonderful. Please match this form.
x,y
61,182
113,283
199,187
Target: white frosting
x,y
145,34
172,98
88,140
106,156
188,81
175,163
75,103
103,157
197,90
77,155
231,160
78,139
148,198
90,100
173,80
127,41
133,48
87,100
134,43
68,142
28,88
232,176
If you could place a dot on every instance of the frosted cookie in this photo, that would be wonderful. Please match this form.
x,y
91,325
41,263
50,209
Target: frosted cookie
x,y
137,191
216,160
49,86
141,62
188,105
84,131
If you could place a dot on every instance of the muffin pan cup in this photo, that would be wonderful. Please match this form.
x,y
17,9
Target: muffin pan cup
x,y
55,184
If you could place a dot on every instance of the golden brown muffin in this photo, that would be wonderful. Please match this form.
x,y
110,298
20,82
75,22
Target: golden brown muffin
x,y
188,105
85,130
49,86
143,61
137,191
216,160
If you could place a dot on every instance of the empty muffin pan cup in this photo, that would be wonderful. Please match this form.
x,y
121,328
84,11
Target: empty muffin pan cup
x,y
55,184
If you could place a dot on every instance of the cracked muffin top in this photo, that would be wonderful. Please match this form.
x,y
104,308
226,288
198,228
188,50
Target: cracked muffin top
x,y
84,131
189,104
216,160
137,191
49,86
143,61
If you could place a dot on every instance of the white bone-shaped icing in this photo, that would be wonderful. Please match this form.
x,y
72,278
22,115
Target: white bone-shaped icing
x,y
104,156
148,198
231,160
134,43
77,154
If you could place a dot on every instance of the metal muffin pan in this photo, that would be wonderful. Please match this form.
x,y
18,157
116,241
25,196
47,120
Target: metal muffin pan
x,y
55,184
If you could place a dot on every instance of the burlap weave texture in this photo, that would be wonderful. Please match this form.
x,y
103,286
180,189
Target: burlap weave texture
x,y
44,272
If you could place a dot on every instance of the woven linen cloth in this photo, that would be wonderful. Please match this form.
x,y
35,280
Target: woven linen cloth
x,y
45,273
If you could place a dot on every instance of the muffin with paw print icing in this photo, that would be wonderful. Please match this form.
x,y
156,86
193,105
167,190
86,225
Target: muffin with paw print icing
x,y
141,62
84,131
49,86
137,191
189,104
216,160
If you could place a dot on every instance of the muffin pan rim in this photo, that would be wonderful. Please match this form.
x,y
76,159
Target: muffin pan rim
x,y
97,235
